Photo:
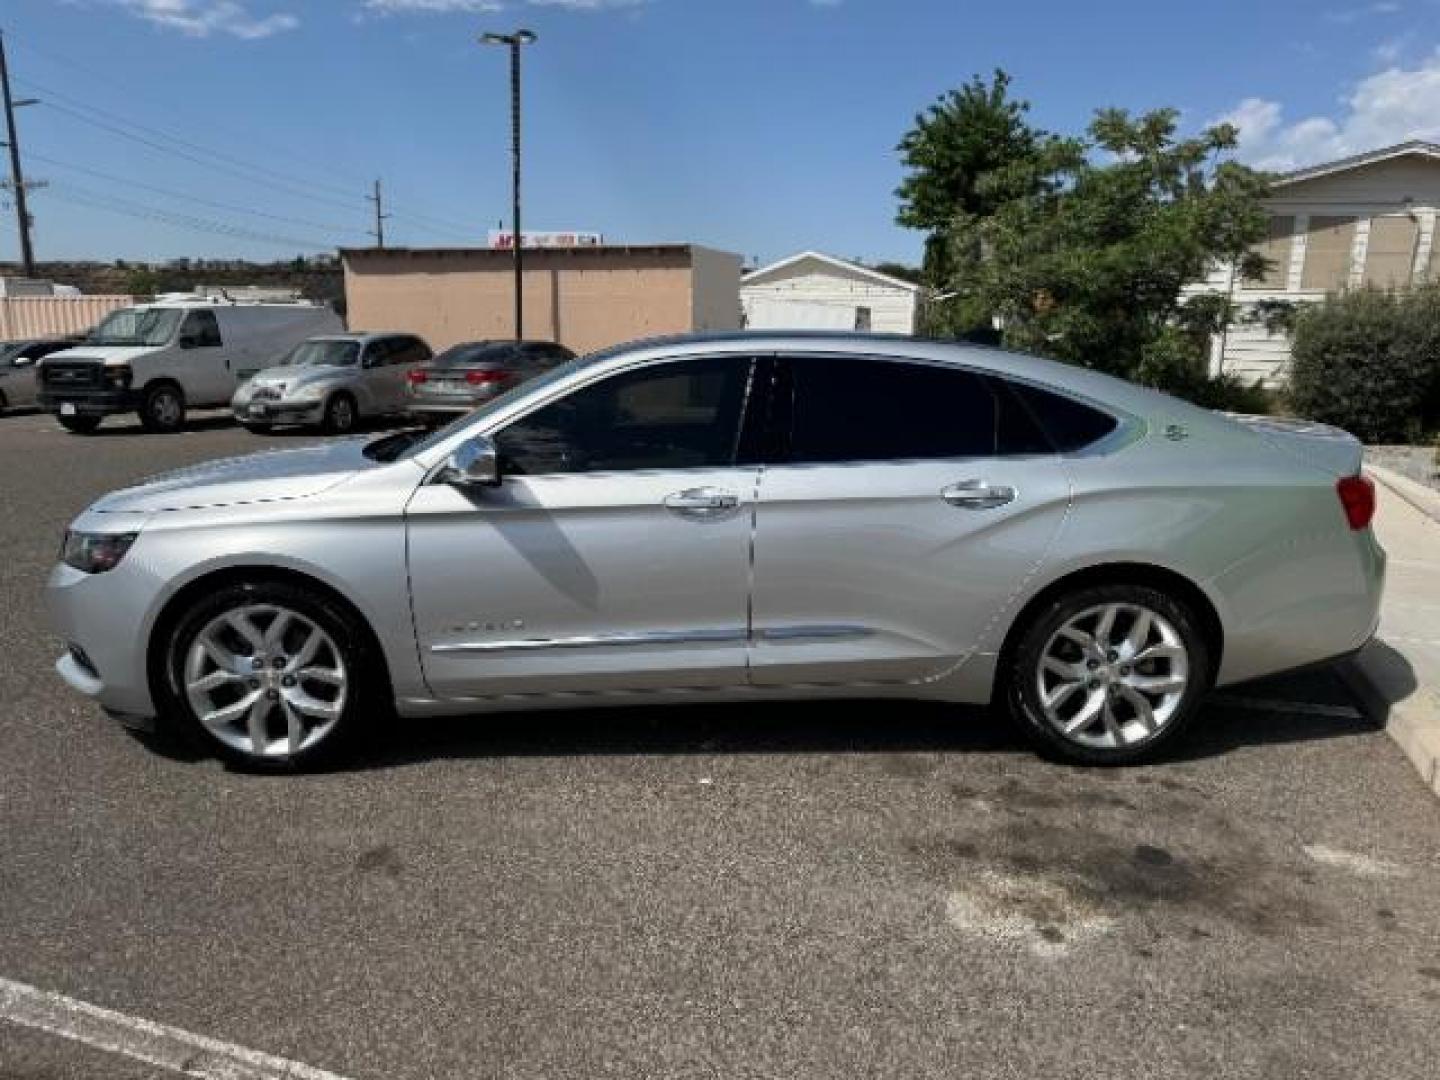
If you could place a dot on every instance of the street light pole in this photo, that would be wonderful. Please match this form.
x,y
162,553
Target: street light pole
x,y
514,42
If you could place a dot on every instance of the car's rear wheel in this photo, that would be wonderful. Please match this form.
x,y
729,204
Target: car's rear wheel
x,y
79,425
341,414
163,408
271,675
1108,675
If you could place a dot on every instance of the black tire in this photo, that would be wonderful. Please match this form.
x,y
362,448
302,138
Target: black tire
x,y
79,425
258,429
367,694
341,415
162,410
1103,669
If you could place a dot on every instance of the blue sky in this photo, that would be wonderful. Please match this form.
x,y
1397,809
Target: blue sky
x,y
757,126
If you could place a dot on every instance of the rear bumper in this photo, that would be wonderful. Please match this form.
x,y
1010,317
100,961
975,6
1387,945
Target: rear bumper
x,y
89,402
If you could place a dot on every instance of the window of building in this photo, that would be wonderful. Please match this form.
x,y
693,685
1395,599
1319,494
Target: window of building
x,y
862,318
1328,241
1390,253
1276,253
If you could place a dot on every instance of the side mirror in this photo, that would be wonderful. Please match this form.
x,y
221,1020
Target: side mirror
x,y
475,462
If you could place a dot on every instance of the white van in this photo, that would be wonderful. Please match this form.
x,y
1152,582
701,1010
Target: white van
x,y
159,359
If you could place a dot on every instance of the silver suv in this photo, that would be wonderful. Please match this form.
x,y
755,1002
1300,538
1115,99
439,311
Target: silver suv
x,y
735,518
332,381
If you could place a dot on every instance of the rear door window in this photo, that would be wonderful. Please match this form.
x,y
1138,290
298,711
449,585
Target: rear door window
x,y
846,409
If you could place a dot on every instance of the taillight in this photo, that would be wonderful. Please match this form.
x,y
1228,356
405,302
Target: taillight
x,y
416,376
484,378
1357,497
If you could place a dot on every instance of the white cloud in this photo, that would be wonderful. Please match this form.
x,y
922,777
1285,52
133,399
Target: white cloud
x,y
1347,16
1388,107
201,18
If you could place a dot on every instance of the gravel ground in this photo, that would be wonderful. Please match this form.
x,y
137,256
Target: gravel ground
x,y
866,890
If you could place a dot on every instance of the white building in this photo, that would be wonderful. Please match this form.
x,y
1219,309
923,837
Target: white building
x,y
811,291
1362,220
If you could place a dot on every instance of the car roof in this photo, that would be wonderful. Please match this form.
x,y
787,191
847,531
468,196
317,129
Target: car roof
x,y
362,336
1084,382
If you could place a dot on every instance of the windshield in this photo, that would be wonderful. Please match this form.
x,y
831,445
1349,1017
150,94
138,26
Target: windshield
x,y
323,354
506,399
138,326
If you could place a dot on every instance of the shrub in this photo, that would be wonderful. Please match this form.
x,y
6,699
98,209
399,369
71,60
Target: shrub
x,y
1369,362
1177,362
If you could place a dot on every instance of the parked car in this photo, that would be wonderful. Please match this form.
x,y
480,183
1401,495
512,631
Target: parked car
x,y
466,376
18,363
735,518
160,359
333,381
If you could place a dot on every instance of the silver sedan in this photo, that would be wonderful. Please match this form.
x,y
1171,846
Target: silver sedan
x,y
735,518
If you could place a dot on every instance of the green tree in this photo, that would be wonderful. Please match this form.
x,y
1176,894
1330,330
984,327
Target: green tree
x,y
961,158
1086,258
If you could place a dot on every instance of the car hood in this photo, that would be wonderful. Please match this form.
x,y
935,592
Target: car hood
x,y
290,378
269,477
102,354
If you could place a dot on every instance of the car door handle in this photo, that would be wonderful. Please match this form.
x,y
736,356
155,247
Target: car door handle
x,y
977,495
701,502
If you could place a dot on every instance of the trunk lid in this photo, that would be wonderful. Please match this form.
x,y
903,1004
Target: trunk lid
x,y
1329,448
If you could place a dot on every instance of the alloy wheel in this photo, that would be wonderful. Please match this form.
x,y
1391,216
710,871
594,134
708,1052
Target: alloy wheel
x,y
1113,676
266,681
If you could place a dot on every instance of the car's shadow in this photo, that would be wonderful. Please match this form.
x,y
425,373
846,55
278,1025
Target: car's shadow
x,y
818,728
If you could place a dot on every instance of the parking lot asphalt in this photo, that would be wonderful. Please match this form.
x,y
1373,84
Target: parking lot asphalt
x,y
856,889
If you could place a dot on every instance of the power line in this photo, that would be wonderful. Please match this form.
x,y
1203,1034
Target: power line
x,y
80,196
325,227
196,153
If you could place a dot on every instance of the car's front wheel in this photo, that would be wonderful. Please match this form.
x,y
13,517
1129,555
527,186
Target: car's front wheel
x,y
269,674
162,409
341,415
1108,675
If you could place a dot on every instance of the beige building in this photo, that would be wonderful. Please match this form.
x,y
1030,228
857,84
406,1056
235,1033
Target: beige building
x,y
585,298
1367,220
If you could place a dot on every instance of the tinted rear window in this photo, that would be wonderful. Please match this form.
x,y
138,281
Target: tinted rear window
x,y
475,354
1070,424
860,409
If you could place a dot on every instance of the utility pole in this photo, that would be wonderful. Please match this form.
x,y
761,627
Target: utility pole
x,y
17,183
380,217
517,242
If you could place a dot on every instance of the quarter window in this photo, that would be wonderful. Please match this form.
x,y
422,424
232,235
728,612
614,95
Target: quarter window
x,y
1069,424
677,415
859,409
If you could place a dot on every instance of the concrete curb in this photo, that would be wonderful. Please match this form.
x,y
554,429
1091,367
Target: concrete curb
x,y
1422,498
1384,685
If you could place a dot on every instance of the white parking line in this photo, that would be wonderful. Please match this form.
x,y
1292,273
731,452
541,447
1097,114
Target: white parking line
x,y
144,1040
1302,708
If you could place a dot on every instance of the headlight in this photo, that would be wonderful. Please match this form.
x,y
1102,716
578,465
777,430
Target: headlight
x,y
119,376
313,392
94,553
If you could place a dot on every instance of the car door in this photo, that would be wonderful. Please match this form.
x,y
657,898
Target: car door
x,y
372,383
205,373
614,555
907,502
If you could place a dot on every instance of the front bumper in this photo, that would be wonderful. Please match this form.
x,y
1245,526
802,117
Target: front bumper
x,y
279,412
101,618
89,402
